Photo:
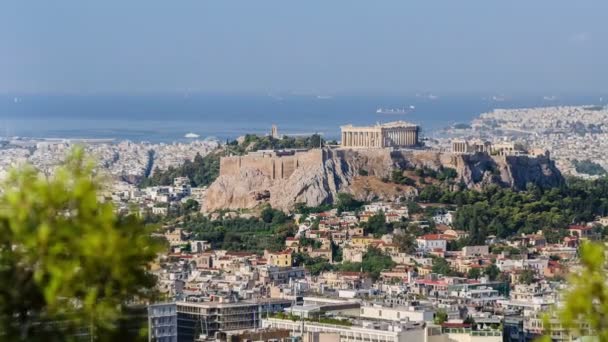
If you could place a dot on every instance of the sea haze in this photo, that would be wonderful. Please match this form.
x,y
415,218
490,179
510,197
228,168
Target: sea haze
x,y
167,118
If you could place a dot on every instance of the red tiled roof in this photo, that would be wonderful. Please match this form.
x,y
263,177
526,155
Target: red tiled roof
x,y
433,237
578,227
431,282
281,252
442,227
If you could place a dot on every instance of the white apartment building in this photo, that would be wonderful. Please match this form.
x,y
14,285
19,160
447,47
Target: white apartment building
x,y
396,314
368,331
431,242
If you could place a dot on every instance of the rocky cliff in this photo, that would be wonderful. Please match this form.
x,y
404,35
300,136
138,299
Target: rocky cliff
x,y
359,172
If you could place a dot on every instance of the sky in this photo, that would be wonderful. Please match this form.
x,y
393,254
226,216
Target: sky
x,y
317,46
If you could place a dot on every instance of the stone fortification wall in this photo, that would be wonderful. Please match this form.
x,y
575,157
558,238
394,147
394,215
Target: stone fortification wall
x,y
317,176
274,166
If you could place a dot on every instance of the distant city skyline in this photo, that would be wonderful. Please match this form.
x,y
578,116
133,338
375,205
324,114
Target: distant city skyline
x,y
314,47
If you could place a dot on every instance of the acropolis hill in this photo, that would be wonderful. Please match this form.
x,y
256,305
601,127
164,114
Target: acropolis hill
x,y
286,177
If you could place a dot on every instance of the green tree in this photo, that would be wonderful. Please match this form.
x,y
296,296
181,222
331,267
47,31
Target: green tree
x,y
441,316
67,262
190,206
492,271
406,242
413,208
526,277
201,171
586,297
374,262
398,177
377,225
474,273
346,202
431,193
336,252
441,266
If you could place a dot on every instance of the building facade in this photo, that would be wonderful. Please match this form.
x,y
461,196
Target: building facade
x,y
383,332
208,318
162,322
392,134
282,258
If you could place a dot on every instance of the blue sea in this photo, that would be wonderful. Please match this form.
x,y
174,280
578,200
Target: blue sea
x,y
168,117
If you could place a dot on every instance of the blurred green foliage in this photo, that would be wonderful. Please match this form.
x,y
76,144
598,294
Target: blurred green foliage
x,y
586,298
68,264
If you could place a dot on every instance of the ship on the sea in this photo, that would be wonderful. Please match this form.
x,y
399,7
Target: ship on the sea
x,y
395,111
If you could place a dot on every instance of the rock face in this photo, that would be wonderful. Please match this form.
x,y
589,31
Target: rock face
x,y
480,169
317,180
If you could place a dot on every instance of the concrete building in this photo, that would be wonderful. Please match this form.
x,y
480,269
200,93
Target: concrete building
x,y
431,242
472,251
392,134
460,333
397,313
358,331
162,322
282,258
208,318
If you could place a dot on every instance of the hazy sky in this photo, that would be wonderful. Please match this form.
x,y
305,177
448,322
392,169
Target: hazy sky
x,y
324,46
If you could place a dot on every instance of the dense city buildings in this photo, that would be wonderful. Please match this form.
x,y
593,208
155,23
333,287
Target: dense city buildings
x,y
368,268
575,136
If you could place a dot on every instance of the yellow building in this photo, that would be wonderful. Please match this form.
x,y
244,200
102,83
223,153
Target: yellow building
x,y
363,241
282,258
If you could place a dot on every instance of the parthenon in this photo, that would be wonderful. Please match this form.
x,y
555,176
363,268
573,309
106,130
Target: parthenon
x,y
392,134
